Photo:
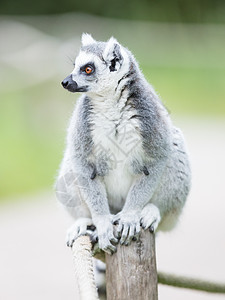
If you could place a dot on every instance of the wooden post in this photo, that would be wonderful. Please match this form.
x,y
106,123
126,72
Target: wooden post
x,y
131,272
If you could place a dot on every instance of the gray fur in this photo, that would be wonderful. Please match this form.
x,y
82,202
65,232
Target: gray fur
x,y
157,165
95,48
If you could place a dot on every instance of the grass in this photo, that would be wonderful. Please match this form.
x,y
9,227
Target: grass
x,y
33,121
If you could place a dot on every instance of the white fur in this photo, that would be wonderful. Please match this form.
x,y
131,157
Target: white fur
x,y
120,147
87,39
109,47
77,229
82,59
150,216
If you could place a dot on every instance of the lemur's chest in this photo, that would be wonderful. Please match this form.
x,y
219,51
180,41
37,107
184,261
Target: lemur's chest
x,y
116,136
117,144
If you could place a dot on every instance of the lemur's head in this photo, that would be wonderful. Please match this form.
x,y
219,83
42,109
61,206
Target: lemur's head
x,y
98,67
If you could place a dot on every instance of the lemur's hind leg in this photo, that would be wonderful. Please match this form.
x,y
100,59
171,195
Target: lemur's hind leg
x,y
150,217
68,193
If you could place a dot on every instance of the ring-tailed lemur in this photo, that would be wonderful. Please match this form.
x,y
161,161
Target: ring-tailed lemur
x,y
125,162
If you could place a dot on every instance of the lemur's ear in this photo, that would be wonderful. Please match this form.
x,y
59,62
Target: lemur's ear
x,y
112,54
87,39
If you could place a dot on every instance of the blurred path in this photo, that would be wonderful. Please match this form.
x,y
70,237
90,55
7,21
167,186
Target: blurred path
x,y
35,263
197,246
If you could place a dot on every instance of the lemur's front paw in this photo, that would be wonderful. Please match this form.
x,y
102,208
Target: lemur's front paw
x,y
106,238
128,226
150,217
78,228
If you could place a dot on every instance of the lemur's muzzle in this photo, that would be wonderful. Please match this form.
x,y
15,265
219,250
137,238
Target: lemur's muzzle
x,y
69,84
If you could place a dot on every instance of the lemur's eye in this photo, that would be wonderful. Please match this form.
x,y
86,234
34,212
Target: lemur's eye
x,y
88,70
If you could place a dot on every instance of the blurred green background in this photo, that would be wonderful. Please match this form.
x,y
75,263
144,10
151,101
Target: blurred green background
x,y
180,46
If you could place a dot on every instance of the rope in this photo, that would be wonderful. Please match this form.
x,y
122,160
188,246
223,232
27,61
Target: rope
x,y
190,283
84,268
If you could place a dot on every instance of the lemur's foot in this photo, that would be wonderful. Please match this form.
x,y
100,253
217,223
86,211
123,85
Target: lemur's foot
x,y
105,236
128,227
150,217
80,227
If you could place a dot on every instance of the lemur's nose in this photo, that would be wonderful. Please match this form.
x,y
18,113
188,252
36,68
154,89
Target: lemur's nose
x,y
69,84
64,83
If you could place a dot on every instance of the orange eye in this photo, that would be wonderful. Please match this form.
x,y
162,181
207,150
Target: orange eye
x,y
88,70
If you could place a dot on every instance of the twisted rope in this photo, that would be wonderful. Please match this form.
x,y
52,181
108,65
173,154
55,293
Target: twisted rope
x,y
83,263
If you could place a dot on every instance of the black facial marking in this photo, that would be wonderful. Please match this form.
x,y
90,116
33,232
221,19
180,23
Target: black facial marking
x,y
82,89
69,84
83,68
117,53
117,58
112,67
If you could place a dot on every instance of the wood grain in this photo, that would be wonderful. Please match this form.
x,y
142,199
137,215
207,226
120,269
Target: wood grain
x,y
131,272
